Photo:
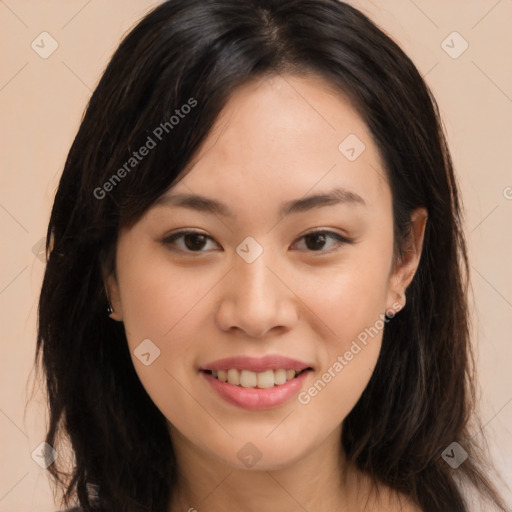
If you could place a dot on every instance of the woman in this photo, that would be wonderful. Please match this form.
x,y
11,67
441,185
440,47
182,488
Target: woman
x,y
255,294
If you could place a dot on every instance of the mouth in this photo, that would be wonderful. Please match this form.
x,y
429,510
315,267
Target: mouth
x,y
256,383
256,380
256,391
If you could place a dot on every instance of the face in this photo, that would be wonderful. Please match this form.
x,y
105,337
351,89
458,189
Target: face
x,y
289,266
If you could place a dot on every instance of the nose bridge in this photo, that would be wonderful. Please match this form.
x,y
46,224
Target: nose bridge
x,y
255,300
254,283
250,269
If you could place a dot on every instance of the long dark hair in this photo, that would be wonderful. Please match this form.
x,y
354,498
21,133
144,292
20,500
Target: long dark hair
x,y
196,52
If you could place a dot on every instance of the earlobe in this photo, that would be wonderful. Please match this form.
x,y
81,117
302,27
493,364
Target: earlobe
x,y
107,266
114,310
406,267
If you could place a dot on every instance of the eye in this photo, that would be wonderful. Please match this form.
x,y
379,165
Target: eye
x,y
197,242
188,241
316,241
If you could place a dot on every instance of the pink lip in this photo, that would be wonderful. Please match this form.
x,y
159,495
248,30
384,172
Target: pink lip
x,y
255,399
257,364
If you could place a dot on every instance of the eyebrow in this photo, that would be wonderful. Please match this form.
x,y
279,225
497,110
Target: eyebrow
x,y
208,205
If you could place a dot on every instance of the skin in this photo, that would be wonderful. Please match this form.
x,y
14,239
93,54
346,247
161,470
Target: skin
x,y
276,140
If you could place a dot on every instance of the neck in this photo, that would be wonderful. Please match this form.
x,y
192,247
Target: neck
x,y
319,481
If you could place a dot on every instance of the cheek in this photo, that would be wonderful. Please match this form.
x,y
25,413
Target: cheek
x,y
160,305
158,298
351,310
349,302
349,297
351,306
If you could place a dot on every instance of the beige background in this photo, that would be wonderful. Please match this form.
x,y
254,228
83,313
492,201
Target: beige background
x,y
42,102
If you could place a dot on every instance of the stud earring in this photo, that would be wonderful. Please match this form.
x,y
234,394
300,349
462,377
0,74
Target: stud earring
x,y
390,314
110,310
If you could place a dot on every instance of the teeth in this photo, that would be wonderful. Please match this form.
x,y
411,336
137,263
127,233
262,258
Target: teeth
x,y
290,374
280,376
234,376
265,379
249,379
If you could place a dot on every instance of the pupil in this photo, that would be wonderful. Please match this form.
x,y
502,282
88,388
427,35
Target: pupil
x,y
319,237
197,241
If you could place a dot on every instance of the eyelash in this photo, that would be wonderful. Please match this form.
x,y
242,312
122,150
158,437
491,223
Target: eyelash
x,y
340,240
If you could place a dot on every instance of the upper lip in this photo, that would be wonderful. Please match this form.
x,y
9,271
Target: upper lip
x,y
257,364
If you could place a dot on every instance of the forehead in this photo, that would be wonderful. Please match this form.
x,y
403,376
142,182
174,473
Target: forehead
x,y
283,136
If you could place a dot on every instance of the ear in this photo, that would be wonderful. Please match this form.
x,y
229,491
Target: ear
x,y
112,289
406,265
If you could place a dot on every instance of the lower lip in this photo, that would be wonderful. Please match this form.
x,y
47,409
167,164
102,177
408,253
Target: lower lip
x,y
256,399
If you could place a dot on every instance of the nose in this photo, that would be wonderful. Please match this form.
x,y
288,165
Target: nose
x,y
255,299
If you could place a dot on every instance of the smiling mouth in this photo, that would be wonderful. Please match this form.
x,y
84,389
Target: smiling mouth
x,y
260,380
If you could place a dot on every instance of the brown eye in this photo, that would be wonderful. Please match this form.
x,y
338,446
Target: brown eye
x,y
315,241
194,241
323,241
188,241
